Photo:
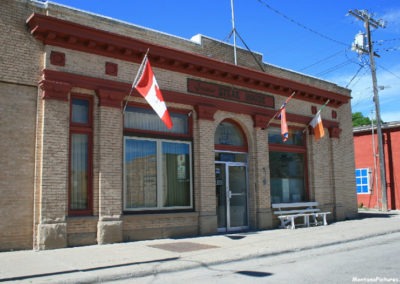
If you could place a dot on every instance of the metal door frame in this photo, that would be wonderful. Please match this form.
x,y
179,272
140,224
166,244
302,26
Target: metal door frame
x,y
228,228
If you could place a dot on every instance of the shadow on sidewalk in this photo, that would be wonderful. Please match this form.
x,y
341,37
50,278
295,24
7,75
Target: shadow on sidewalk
x,y
363,214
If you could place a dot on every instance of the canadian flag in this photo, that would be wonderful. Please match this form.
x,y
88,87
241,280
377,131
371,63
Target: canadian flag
x,y
147,86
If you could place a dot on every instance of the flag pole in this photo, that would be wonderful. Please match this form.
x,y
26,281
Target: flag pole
x,y
327,102
234,32
269,122
136,78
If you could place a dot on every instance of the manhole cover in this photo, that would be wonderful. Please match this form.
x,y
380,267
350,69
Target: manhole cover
x,y
183,246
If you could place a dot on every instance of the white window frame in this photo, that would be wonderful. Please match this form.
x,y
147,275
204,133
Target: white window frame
x,y
159,175
368,181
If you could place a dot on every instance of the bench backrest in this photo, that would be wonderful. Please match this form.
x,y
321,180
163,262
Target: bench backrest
x,y
294,205
295,208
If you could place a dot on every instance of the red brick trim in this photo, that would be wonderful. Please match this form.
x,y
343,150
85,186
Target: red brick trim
x,y
57,32
334,132
112,93
111,69
57,58
57,90
313,109
110,98
205,111
261,120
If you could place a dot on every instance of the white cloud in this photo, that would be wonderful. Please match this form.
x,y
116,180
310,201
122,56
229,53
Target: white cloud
x,y
392,19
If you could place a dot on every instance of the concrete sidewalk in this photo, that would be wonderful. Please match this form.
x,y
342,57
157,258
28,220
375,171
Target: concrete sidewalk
x,y
126,260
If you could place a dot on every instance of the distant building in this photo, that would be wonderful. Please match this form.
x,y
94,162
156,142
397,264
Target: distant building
x,y
368,183
76,171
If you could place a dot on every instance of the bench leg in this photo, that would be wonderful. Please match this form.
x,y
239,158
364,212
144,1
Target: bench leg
x,y
292,226
325,223
282,223
315,219
306,220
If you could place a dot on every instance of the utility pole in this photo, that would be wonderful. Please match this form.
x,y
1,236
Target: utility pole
x,y
364,16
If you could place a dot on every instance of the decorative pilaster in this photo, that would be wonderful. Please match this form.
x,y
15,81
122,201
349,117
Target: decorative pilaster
x,y
263,185
109,227
52,181
205,197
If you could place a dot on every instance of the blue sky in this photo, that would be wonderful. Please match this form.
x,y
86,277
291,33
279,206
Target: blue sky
x,y
306,36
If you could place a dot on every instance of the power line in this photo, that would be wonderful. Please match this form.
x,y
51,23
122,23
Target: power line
x,y
389,71
389,49
355,75
322,60
359,79
334,68
301,25
385,40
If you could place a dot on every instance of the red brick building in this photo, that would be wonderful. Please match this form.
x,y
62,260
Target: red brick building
x,y
368,181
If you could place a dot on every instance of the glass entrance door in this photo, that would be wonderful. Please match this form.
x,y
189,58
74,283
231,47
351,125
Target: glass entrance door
x,y
231,191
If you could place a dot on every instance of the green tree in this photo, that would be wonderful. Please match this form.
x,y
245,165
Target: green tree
x,y
360,120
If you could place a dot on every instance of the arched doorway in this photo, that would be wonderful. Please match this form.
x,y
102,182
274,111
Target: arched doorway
x,y
231,177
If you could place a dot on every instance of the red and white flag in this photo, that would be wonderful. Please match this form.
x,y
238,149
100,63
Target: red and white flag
x,y
284,126
147,86
282,117
316,123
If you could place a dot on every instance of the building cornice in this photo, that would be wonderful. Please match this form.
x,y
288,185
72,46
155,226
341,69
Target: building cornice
x,y
69,35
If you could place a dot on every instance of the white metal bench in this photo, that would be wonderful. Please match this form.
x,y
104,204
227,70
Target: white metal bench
x,y
289,212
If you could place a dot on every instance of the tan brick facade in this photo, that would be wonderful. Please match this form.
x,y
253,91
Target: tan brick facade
x,y
39,78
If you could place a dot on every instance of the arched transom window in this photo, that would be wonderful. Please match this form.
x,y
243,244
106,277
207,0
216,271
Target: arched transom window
x,y
229,136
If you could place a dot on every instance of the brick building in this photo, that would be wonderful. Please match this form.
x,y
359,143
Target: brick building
x,y
368,181
75,170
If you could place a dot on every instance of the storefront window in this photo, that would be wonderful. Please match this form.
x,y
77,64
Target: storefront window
x,y
140,173
287,177
176,180
157,171
157,174
287,166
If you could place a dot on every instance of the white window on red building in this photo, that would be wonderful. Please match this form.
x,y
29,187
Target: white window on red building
x,y
362,181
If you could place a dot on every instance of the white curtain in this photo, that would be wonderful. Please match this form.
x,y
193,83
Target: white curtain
x,y
79,171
